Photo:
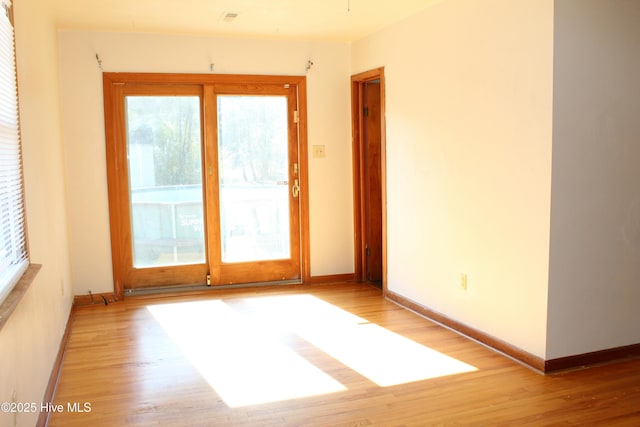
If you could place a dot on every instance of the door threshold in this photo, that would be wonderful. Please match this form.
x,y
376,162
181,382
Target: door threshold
x,y
204,287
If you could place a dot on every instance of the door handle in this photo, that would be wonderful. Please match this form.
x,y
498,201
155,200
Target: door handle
x,y
295,189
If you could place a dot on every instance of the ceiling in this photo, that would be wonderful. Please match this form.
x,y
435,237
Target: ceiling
x,y
326,20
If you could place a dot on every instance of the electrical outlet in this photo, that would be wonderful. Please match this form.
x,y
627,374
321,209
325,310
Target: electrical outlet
x,y
463,281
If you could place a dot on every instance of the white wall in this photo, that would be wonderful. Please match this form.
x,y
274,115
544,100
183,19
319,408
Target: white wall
x,y
594,292
468,110
30,339
331,217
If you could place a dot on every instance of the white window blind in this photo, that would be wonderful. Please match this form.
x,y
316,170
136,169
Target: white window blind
x,y
13,248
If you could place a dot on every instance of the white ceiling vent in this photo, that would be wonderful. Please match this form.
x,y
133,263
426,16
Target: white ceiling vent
x,y
229,16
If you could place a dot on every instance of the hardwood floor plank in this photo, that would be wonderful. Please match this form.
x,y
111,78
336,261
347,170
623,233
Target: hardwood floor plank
x,y
139,363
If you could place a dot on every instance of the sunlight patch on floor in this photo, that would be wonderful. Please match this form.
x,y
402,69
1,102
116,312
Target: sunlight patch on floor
x,y
382,356
244,362
244,355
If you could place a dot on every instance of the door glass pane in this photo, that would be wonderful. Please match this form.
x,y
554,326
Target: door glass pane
x,y
165,180
253,173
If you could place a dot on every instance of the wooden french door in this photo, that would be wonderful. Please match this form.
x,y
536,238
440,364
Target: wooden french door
x,y
204,182
253,183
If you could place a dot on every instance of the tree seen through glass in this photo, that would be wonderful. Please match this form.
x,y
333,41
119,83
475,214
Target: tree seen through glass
x,y
253,173
165,180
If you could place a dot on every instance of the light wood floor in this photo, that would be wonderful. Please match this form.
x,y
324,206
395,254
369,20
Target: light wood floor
x,y
315,355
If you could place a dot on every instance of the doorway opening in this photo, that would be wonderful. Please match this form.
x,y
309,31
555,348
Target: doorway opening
x,y
368,124
205,175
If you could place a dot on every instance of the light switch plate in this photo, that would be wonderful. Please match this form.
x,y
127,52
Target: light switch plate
x,y
318,152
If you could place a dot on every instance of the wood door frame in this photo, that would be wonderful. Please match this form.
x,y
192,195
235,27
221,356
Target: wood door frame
x,y
116,169
357,126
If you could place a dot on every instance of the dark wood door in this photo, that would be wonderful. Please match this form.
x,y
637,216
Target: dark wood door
x,y
372,182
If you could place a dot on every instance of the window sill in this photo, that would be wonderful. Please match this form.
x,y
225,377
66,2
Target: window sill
x,y
8,306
